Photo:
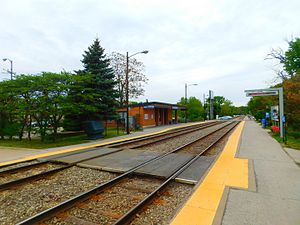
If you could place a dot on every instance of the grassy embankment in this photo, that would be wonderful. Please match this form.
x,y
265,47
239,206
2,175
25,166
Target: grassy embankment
x,y
62,140
293,140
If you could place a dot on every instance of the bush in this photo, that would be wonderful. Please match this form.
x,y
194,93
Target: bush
x,y
72,123
294,134
12,129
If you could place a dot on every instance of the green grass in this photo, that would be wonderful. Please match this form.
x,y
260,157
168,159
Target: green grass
x,y
61,141
292,142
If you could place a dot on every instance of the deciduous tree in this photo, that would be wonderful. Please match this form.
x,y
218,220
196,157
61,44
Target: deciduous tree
x,y
137,78
289,60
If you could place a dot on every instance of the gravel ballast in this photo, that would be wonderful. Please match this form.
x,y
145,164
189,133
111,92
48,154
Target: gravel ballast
x,y
167,145
32,198
7,177
29,199
164,208
107,206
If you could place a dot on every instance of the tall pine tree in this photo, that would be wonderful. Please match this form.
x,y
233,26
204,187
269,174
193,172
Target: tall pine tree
x,y
102,82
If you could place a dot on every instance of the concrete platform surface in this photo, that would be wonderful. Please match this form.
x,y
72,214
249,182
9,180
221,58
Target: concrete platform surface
x,y
294,154
9,153
166,166
196,170
276,200
120,161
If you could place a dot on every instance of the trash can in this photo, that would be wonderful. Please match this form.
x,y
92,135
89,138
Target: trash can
x,y
93,129
263,123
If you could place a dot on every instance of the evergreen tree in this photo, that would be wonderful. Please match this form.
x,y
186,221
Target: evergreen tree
x,y
102,83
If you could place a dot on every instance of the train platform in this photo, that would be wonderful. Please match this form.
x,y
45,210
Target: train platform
x,y
14,155
253,181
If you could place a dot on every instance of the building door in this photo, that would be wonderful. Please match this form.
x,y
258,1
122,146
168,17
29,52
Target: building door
x,y
166,116
156,116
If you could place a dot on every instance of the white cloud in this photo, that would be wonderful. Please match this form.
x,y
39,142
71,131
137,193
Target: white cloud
x,y
219,44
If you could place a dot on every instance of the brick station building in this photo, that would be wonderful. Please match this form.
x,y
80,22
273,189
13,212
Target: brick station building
x,y
152,113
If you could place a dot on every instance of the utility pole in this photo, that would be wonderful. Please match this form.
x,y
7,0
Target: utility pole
x,y
211,105
11,67
204,104
127,94
127,87
185,100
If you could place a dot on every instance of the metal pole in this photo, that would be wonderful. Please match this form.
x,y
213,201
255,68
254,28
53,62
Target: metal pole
x,y
211,111
127,94
11,69
185,97
204,105
281,110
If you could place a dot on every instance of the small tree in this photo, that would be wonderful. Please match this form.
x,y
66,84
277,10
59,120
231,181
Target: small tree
x,y
195,110
9,109
136,77
292,101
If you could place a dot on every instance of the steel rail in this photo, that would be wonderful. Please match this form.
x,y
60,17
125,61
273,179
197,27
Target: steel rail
x,y
46,173
108,145
20,167
131,213
29,178
176,130
46,214
179,133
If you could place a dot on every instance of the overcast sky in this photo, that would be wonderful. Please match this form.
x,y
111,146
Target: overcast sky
x,y
220,45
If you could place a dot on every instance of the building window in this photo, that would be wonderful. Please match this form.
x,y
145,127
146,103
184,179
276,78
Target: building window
x,y
145,116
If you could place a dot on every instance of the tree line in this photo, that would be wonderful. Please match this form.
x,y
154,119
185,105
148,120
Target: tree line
x,y
289,78
197,110
41,103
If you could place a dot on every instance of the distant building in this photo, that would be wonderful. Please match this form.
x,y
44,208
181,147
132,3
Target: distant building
x,y
151,113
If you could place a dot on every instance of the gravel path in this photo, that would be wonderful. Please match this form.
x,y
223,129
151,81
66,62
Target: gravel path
x,y
27,200
7,177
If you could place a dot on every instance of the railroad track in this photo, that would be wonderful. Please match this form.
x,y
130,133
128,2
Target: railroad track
x,y
34,170
32,163
81,208
144,141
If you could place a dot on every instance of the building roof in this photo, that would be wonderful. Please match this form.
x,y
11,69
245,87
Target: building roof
x,y
157,105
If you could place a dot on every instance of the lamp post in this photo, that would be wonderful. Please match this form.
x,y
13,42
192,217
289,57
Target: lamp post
x,y
185,98
11,67
127,87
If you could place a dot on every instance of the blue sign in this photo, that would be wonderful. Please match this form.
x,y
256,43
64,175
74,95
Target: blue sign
x,y
267,115
283,119
149,107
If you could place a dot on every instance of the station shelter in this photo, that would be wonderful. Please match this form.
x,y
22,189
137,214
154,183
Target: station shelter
x,y
149,114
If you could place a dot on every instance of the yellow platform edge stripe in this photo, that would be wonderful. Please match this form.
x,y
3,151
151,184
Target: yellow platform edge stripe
x,y
201,207
76,148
